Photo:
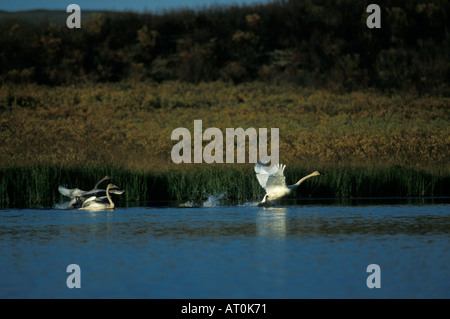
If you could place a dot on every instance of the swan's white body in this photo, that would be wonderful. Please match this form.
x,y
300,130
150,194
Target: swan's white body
x,y
274,183
95,203
78,196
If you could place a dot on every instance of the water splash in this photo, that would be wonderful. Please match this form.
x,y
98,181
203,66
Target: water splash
x,y
249,204
211,201
189,204
66,205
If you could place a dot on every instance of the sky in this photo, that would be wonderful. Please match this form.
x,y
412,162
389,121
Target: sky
x,y
118,5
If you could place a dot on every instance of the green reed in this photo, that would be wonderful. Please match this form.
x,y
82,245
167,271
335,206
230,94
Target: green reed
x,y
38,185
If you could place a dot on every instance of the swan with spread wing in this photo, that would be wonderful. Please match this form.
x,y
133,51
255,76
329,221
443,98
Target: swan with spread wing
x,y
78,196
95,203
274,183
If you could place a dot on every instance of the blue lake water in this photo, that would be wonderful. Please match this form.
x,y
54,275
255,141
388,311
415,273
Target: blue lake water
x,y
300,251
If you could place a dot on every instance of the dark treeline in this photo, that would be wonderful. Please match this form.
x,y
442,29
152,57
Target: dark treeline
x,y
320,44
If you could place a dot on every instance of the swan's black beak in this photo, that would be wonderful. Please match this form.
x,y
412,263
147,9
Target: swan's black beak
x,y
320,173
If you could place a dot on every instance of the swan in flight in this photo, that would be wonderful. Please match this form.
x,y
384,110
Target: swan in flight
x,y
274,182
95,203
78,196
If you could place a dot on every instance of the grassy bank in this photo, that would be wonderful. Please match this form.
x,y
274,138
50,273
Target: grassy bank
x,y
130,124
367,143
37,185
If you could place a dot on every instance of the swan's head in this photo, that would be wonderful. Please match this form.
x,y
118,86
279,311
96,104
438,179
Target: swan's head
x,y
112,186
316,173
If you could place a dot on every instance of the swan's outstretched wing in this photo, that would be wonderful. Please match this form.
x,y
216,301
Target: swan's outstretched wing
x,y
71,192
116,191
262,173
97,190
76,192
277,179
271,177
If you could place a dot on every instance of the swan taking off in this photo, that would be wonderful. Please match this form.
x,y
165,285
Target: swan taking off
x,y
95,203
78,196
274,182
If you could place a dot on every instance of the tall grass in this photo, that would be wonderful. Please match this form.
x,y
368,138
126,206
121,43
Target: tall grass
x,y
37,185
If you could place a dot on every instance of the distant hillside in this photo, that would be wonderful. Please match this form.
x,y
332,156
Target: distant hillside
x,y
318,44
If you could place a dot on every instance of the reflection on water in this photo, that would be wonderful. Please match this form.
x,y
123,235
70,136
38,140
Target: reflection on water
x,y
271,222
228,252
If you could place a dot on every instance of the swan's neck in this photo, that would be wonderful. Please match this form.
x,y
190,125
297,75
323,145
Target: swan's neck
x,y
303,179
104,178
111,204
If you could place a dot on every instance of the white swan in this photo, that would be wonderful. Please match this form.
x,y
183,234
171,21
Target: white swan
x,y
78,196
274,182
95,203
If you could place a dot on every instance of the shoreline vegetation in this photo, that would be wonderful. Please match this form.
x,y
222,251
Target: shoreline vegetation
x,y
368,107
367,143
36,186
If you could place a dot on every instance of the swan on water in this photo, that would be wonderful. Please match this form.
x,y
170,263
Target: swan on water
x,y
95,203
274,182
78,196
